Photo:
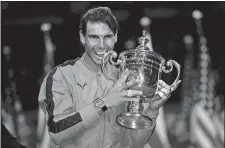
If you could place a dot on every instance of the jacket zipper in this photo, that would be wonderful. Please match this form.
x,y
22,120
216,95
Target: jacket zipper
x,y
103,132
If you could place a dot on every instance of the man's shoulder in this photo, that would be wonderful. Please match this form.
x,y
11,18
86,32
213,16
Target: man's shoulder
x,y
67,64
70,62
63,68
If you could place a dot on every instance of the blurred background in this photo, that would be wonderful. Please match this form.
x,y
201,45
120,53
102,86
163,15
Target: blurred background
x,y
36,36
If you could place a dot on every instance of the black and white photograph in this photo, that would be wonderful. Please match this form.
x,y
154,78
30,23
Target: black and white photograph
x,y
112,74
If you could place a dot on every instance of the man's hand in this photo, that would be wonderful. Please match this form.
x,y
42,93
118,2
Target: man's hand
x,y
162,94
120,92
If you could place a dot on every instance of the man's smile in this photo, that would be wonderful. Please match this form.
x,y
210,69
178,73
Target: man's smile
x,y
99,54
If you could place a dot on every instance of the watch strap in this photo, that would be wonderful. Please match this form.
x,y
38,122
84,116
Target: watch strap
x,y
104,108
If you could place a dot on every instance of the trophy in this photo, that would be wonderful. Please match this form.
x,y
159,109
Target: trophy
x,y
146,67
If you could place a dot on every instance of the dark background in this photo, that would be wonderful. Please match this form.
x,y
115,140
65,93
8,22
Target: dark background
x,y
171,21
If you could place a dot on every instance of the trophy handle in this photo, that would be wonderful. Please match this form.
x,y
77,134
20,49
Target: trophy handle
x,y
170,64
111,54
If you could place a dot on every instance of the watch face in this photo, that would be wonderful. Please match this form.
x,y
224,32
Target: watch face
x,y
100,103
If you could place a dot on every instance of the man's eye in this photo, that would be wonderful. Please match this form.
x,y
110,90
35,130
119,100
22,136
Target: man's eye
x,y
93,37
108,36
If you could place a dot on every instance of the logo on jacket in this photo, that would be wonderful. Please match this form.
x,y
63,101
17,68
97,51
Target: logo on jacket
x,y
81,85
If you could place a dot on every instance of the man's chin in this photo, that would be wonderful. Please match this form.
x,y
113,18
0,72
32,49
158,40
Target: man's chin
x,y
98,61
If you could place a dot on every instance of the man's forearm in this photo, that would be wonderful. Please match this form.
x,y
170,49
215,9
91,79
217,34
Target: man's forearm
x,y
87,115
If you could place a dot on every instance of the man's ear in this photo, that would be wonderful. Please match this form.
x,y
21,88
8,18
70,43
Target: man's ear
x,y
82,38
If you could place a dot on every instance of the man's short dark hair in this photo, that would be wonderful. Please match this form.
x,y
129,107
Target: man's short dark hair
x,y
99,14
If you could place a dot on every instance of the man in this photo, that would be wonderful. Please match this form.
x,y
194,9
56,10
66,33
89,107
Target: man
x,y
72,93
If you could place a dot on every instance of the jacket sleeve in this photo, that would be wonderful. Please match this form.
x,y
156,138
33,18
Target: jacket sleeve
x,y
64,121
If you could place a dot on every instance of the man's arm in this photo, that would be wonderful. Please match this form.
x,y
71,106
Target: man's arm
x,y
64,121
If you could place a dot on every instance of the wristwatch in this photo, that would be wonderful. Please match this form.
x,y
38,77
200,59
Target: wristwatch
x,y
100,103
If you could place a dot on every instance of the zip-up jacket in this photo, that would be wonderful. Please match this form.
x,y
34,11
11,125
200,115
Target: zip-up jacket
x,y
66,97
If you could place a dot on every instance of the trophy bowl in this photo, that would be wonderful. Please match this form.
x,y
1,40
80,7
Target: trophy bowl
x,y
146,66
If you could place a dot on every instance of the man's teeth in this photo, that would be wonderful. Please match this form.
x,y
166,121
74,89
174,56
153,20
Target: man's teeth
x,y
100,53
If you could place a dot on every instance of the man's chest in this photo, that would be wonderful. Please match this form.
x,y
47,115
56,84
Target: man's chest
x,y
86,88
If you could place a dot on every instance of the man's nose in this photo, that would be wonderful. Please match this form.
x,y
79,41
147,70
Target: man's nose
x,y
101,43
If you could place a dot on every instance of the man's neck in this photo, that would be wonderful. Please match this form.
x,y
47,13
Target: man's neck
x,y
91,64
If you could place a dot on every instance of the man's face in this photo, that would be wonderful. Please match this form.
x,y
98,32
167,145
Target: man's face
x,y
99,38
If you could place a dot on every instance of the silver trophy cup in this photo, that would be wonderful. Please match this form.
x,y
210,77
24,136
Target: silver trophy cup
x,y
146,66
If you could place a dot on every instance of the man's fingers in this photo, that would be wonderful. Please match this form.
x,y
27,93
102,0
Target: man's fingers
x,y
131,93
164,91
160,94
123,77
129,84
131,99
162,84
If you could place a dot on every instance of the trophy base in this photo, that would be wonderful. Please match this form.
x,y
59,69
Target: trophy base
x,y
134,120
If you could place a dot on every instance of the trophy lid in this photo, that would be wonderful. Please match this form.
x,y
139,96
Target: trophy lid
x,y
142,50
143,42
